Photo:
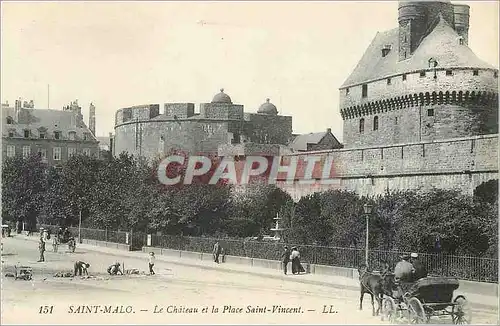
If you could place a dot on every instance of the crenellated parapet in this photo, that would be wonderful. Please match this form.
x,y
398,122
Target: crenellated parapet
x,y
461,98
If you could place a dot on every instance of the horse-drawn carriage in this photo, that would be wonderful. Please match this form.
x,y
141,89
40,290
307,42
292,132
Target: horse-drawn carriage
x,y
65,237
426,298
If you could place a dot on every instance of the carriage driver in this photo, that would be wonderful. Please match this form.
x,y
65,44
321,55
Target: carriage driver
x,y
403,274
420,270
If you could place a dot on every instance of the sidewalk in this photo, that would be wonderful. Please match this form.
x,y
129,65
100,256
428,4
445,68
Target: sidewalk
x,y
489,303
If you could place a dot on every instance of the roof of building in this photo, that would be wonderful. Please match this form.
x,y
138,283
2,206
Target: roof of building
x,y
48,120
299,143
268,108
442,44
103,141
222,97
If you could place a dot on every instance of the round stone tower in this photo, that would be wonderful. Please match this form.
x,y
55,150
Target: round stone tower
x,y
412,18
435,88
461,16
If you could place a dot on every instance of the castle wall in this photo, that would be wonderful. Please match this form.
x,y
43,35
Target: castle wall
x,y
154,138
379,186
463,104
221,111
180,110
459,163
268,129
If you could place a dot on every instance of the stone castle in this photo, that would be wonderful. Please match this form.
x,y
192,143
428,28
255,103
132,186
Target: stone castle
x,y
420,110
142,130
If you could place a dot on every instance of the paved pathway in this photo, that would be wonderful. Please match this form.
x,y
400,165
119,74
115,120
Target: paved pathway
x,y
479,301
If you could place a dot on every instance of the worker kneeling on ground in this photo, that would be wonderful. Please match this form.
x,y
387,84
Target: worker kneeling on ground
x,y
114,269
81,268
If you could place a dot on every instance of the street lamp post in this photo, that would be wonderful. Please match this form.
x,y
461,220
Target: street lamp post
x,y
367,208
80,227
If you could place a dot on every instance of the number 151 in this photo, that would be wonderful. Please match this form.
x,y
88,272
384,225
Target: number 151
x,y
46,309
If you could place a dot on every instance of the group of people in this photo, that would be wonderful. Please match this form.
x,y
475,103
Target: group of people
x,y
294,257
81,268
217,251
407,271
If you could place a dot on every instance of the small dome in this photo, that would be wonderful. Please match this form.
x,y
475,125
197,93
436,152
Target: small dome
x,y
268,108
222,97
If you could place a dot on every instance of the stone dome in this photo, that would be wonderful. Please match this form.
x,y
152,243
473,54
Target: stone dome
x,y
268,108
222,97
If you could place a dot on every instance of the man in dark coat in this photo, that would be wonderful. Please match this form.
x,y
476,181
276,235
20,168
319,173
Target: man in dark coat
x,y
285,258
41,248
420,270
216,252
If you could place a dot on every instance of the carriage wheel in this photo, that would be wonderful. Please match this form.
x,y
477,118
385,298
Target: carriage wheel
x,y
461,312
416,312
389,309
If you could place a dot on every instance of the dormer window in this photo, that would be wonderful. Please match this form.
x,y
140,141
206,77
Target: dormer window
x,y
449,72
11,133
364,91
10,120
495,74
85,136
461,40
422,74
42,135
385,50
26,133
404,76
347,91
475,72
388,81
72,135
57,135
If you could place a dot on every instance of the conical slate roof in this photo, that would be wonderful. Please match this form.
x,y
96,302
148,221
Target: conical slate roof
x,y
442,44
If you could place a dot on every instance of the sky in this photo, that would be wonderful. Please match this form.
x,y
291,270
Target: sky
x,y
119,54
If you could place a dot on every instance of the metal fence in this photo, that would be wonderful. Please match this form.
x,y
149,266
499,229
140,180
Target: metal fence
x,y
92,234
463,267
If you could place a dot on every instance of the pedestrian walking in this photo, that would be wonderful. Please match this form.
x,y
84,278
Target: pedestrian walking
x,y
152,259
54,243
216,252
296,265
41,248
285,258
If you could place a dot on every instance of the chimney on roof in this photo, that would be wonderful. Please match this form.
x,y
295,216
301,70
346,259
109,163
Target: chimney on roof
x,y
18,107
329,130
92,118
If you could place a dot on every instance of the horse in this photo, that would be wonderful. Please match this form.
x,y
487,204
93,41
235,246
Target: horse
x,y
372,284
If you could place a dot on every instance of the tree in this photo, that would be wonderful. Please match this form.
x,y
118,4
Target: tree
x,y
56,209
23,185
305,220
344,212
79,177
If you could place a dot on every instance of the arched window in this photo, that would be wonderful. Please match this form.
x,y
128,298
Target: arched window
x,y
362,125
375,123
9,120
